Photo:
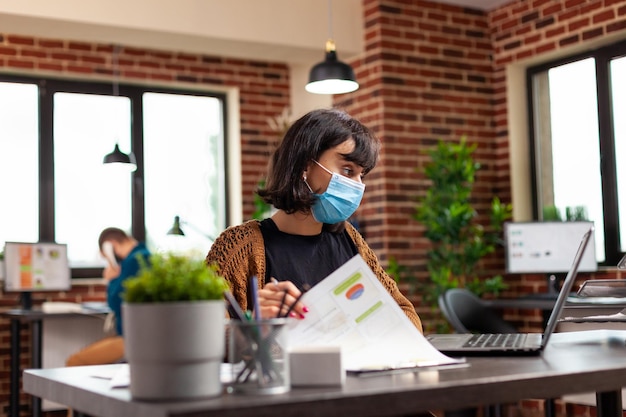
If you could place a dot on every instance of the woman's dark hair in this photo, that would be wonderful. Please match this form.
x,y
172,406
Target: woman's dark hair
x,y
305,141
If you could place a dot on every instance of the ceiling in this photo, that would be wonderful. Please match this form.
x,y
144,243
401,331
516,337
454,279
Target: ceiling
x,y
477,4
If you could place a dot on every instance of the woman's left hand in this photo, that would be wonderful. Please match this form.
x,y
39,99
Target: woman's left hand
x,y
277,298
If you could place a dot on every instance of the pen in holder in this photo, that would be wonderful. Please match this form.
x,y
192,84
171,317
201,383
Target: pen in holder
x,y
259,350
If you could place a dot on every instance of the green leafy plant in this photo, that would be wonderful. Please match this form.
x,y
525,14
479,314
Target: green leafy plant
x,y
279,124
551,213
169,278
576,213
458,241
262,210
400,273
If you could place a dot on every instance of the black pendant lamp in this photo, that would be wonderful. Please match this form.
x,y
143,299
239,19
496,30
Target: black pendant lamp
x,y
118,158
331,76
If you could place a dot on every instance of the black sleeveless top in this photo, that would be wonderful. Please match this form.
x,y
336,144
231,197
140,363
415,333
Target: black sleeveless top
x,y
304,259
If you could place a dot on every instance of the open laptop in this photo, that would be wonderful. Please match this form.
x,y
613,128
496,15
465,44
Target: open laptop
x,y
514,343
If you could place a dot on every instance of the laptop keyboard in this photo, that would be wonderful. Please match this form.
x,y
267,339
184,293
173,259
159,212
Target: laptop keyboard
x,y
490,340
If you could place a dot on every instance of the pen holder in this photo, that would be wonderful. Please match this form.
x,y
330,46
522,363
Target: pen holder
x,y
258,348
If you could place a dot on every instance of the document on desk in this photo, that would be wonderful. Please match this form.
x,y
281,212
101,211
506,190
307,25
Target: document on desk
x,y
352,309
603,318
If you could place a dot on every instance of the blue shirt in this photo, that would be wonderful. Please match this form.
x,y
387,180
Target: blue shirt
x,y
129,268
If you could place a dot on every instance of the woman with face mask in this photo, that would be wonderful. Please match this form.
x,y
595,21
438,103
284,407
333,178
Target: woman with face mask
x,y
315,183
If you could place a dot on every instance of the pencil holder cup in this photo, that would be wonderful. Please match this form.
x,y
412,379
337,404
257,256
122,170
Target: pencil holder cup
x,y
259,356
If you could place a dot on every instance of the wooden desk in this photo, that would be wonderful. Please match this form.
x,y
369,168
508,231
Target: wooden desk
x,y
573,362
35,317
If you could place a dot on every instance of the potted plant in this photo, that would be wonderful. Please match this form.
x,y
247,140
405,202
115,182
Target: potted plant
x,y
174,320
458,240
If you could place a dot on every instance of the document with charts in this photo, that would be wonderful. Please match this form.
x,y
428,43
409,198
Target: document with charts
x,y
352,309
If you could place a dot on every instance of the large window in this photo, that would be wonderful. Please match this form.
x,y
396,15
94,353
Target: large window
x,y
19,162
579,143
53,137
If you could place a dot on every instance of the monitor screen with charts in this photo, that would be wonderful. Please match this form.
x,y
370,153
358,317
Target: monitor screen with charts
x,y
36,267
547,247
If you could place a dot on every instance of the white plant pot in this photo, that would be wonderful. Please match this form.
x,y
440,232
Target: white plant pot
x,y
174,350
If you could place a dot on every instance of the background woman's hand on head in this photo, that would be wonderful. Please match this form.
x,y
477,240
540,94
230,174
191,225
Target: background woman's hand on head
x,y
111,272
277,298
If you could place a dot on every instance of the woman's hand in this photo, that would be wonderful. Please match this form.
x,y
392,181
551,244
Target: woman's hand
x,y
280,299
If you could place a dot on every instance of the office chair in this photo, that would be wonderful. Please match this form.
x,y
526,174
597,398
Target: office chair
x,y
467,313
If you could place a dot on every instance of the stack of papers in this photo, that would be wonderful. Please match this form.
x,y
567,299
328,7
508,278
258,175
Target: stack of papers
x,y
351,308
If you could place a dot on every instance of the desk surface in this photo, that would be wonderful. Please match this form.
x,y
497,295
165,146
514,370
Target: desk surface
x,y
39,314
572,363
546,302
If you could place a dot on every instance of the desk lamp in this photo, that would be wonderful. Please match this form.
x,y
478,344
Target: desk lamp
x,y
178,231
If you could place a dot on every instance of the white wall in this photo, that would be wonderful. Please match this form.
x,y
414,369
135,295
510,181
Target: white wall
x,y
292,31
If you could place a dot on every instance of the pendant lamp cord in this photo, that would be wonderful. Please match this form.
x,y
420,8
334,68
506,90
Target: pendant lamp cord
x,y
330,19
116,88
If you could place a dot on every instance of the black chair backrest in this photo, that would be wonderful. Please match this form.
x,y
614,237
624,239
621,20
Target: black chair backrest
x,y
468,314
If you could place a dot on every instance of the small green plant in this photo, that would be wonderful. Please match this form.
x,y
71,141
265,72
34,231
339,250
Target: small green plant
x,y
395,270
400,273
576,213
551,213
169,278
458,241
262,210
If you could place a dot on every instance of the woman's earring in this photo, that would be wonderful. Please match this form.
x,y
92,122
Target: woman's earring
x,y
304,177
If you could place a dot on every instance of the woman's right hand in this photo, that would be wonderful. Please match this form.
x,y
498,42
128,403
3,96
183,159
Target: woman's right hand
x,y
281,299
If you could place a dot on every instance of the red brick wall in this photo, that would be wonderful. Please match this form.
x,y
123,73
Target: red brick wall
x,y
425,75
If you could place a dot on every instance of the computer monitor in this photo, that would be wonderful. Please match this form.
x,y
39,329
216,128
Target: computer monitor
x,y
547,247
31,267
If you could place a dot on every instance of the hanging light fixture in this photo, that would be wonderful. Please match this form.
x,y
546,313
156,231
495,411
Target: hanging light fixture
x,y
331,76
117,157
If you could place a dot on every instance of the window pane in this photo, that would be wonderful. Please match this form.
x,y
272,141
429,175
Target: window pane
x,y
19,162
568,149
618,92
184,170
89,195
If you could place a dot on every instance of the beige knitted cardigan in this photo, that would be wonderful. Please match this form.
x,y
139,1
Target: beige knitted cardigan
x,y
240,253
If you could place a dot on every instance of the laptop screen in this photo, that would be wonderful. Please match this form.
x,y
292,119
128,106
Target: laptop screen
x,y
566,288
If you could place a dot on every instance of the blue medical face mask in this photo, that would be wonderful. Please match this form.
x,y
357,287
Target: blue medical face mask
x,y
340,200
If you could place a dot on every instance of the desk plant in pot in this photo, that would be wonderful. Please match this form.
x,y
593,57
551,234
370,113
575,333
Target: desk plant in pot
x,y
174,318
